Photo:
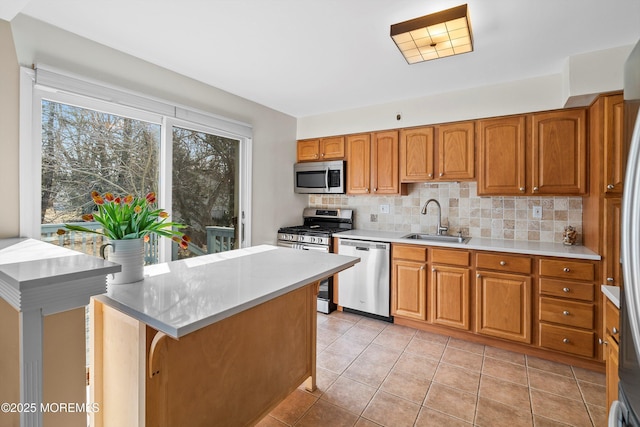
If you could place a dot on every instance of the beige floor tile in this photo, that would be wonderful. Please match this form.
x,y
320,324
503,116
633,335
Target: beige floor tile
x,y
504,355
392,411
343,315
373,323
269,421
494,414
363,422
547,365
462,358
326,336
367,372
334,362
362,333
349,394
598,415
555,384
559,408
466,345
338,325
323,414
593,394
510,394
589,376
324,379
420,366
539,421
451,401
433,337
429,349
400,330
432,418
391,339
458,378
406,386
349,346
294,407
505,370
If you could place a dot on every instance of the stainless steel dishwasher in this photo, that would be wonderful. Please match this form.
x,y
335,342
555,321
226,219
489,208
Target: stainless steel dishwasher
x,y
365,286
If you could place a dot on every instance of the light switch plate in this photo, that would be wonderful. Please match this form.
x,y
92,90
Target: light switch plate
x,y
537,212
384,209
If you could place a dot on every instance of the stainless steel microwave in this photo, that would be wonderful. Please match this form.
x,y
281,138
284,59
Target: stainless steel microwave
x,y
319,177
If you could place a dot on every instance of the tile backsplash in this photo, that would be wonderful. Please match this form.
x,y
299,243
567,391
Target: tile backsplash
x,y
509,218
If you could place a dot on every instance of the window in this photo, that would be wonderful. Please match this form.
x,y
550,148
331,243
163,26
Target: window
x,y
198,164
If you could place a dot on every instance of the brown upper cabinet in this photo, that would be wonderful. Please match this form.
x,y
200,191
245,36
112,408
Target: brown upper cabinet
x,y
438,153
614,150
556,161
372,161
319,149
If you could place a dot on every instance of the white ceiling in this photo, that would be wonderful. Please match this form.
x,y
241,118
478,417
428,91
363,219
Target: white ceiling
x,y
307,57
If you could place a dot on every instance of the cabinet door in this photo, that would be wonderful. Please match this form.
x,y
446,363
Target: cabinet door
x,y
409,290
450,296
416,154
611,252
559,155
358,164
456,151
503,306
501,156
308,150
384,163
614,158
332,148
612,370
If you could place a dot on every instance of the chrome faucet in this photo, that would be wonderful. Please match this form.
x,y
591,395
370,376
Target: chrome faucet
x,y
439,228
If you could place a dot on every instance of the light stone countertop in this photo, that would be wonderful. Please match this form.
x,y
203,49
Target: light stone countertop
x,y
180,297
612,293
480,244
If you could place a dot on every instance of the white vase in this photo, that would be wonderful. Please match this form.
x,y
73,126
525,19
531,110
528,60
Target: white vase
x,y
129,253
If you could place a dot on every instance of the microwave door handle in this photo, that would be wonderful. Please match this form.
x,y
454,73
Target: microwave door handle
x,y
326,179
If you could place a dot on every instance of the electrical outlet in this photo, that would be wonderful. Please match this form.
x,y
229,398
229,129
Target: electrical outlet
x,y
537,212
384,209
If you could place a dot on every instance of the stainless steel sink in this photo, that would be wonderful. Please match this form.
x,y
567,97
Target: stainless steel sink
x,y
436,238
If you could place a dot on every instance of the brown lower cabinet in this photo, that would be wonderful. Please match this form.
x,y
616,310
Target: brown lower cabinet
x,y
540,305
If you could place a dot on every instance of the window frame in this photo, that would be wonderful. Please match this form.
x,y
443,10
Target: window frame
x,y
45,83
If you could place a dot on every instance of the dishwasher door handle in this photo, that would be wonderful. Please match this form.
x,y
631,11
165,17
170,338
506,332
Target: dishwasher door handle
x,y
361,248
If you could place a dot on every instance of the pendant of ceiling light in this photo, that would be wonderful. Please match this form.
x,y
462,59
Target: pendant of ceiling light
x,y
434,36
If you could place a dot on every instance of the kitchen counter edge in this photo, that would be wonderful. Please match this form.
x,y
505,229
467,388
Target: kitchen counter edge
x,y
479,244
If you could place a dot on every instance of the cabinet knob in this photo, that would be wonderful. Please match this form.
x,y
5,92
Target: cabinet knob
x,y
566,312
430,175
422,267
322,155
602,342
522,189
535,188
503,263
609,279
441,174
614,330
566,340
316,156
566,269
478,275
566,290
610,187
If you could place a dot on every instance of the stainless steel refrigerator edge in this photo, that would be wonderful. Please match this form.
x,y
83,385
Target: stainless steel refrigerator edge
x,y
626,411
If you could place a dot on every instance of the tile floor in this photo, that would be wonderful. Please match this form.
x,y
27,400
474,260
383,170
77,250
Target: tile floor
x,y
372,373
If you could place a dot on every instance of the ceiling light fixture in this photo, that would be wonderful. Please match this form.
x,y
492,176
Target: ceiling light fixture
x,y
434,36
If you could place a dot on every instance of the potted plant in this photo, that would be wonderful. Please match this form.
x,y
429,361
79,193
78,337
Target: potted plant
x,y
127,222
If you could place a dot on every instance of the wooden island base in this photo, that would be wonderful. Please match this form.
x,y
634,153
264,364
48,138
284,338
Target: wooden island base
x,y
231,373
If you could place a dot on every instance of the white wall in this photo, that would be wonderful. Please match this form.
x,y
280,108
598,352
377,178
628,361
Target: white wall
x,y
593,72
9,102
274,204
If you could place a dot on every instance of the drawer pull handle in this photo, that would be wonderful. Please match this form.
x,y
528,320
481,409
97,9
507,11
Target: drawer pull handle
x,y
566,340
610,187
602,342
566,313
609,279
566,290
614,330
566,269
522,189
503,263
535,188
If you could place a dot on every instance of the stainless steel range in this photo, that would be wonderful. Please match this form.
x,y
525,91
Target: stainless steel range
x,y
315,234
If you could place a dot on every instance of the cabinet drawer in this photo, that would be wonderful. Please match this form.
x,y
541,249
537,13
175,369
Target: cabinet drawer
x,y
567,269
568,313
612,320
562,288
444,256
504,262
565,339
413,253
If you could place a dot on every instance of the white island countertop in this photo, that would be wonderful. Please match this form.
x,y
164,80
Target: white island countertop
x,y
479,243
180,297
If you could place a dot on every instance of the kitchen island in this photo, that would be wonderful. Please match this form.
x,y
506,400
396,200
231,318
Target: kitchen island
x,y
215,340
